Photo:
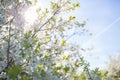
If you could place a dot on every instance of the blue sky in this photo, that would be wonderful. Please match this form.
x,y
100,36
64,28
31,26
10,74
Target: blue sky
x,y
100,14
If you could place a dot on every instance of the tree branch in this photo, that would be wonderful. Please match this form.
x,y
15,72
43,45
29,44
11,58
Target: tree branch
x,y
45,22
8,50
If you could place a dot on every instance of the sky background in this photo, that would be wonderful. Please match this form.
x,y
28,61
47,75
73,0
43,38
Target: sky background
x,y
104,23
103,20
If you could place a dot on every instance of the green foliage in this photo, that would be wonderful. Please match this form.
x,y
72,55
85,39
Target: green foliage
x,y
63,42
71,17
26,44
66,69
25,78
14,71
54,5
82,76
23,54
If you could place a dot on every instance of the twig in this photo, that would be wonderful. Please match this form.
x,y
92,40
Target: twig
x,y
8,50
45,22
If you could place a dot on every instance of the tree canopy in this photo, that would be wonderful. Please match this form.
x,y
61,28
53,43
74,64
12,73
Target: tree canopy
x,y
39,50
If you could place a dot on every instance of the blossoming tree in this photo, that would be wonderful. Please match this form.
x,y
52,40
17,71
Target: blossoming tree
x,y
39,50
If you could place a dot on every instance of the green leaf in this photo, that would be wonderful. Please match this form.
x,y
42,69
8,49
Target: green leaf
x,y
71,17
46,55
66,69
77,4
63,42
82,76
65,56
37,49
35,73
6,38
58,67
40,67
46,10
54,5
28,34
35,40
25,78
26,44
23,54
42,72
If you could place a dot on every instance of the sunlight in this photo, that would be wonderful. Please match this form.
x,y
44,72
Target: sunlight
x,y
30,15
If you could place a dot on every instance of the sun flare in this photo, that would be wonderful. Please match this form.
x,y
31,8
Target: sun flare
x,y
30,15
